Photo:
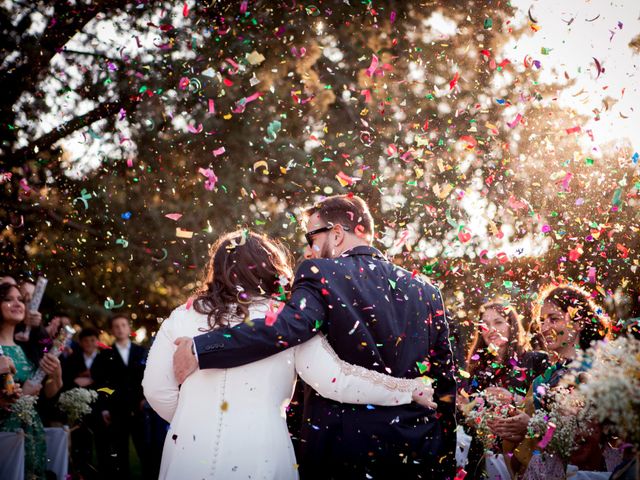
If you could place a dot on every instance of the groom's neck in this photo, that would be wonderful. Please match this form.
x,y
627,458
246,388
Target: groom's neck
x,y
350,244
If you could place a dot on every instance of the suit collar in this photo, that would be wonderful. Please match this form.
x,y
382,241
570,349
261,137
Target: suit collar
x,y
363,250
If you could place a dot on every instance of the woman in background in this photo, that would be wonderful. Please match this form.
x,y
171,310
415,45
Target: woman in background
x,y
568,320
499,363
12,312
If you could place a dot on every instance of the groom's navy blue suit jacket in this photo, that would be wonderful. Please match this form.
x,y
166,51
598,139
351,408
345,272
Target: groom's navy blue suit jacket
x,y
380,317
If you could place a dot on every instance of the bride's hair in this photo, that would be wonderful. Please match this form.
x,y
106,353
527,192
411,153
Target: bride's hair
x,y
242,265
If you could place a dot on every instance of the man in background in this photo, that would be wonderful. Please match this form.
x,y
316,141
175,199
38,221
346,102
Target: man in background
x,y
117,373
76,372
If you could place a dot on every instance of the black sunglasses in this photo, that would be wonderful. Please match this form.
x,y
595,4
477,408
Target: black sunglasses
x,y
309,235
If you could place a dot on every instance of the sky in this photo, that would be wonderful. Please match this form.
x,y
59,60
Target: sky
x,y
576,33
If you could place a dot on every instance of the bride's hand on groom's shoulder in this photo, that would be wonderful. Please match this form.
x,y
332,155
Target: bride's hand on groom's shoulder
x,y
423,394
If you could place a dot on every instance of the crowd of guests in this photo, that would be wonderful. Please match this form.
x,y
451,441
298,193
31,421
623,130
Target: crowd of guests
x,y
520,368
100,443
504,359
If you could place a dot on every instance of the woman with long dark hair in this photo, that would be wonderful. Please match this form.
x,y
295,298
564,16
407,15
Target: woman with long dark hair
x,y
230,423
499,355
567,320
22,414
501,364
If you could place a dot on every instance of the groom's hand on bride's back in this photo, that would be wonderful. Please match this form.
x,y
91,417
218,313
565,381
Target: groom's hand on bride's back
x,y
184,360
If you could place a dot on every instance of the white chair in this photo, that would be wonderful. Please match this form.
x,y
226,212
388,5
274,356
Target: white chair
x,y
463,442
574,474
12,457
496,467
57,451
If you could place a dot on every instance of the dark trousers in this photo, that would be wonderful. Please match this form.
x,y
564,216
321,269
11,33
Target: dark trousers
x,y
82,439
155,431
112,444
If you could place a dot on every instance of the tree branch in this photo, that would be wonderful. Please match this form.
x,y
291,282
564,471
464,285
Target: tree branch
x,y
47,140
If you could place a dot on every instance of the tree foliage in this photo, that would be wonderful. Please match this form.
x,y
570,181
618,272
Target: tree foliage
x,y
237,114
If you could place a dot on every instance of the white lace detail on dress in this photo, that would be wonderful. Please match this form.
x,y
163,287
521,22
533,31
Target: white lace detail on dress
x,y
387,381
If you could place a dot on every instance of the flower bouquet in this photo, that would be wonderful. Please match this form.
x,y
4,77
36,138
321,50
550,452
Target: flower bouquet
x,y
557,426
611,388
483,408
76,403
25,409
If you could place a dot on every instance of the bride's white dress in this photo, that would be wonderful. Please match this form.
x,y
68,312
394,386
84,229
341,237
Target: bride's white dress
x,y
231,423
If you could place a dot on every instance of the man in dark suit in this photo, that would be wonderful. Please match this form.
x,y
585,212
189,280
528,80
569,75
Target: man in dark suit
x,y
375,315
76,372
118,373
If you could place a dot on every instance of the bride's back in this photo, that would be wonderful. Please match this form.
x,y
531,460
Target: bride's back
x,y
218,409
226,423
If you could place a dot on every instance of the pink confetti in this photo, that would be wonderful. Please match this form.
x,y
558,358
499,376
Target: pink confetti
x,y
211,181
190,302
373,67
218,151
174,216
236,67
403,238
212,107
565,182
516,204
243,6
547,436
272,314
515,121
297,54
185,10
591,275
193,129
24,185
393,17
183,83
242,104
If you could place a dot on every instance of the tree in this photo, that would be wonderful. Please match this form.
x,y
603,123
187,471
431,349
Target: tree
x,y
234,114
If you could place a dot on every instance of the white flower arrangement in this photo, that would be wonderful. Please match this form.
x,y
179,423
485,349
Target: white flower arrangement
x,y
25,408
560,422
76,403
482,409
611,388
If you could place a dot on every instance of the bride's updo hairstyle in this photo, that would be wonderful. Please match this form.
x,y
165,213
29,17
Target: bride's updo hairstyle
x,y
242,265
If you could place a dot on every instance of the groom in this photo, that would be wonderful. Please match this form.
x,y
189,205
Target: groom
x,y
375,315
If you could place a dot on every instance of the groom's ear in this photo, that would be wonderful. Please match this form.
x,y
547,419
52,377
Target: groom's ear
x,y
340,235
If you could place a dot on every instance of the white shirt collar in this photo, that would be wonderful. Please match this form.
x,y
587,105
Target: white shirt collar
x,y
124,351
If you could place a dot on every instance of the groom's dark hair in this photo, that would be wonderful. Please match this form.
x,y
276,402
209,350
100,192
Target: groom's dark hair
x,y
347,210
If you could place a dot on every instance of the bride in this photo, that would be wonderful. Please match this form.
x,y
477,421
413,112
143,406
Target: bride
x,y
231,423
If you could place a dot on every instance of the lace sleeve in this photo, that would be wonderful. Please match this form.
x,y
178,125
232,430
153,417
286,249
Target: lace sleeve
x,y
321,368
